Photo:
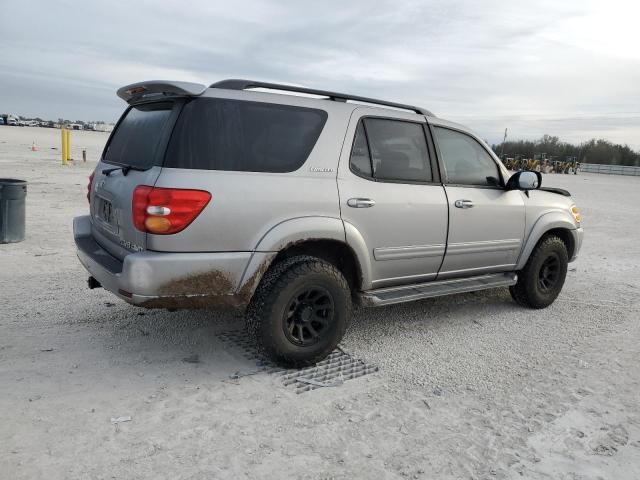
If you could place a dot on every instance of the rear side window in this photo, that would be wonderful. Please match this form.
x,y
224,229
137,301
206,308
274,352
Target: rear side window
x,y
218,134
360,156
135,141
391,150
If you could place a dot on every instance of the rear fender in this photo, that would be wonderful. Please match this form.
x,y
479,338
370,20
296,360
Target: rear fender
x,y
300,229
297,230
356,241
283,235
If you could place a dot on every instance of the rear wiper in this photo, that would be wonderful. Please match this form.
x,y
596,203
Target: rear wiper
x,y
125,169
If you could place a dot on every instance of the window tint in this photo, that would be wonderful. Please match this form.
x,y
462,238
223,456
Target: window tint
x,y
465,160
136,139
398,150
360,157
216,134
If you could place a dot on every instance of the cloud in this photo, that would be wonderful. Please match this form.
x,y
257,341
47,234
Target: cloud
x,y
535,67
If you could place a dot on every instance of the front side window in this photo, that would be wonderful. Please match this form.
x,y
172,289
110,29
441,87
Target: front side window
x,y
220,134
391,150
466,162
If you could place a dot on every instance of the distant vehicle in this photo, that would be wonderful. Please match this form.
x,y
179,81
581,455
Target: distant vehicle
x,y
76,126
290,208
32,123
104,127
12,121
1,121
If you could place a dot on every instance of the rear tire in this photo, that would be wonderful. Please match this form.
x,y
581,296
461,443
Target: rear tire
x,y
300,311
542,278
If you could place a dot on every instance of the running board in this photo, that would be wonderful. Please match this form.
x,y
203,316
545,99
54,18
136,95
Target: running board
x,y
408,293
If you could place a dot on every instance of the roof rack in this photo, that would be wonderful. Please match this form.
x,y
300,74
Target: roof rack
x,y
239,84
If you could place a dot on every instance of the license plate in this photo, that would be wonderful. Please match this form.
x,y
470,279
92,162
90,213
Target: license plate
x,y
106,214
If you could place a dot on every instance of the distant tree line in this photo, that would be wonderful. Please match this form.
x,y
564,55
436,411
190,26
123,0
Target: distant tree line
x,y
592,151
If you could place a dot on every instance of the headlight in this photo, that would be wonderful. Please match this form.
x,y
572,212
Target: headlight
x,y
576,213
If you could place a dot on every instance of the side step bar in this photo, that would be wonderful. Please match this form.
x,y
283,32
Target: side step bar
x,y
408,293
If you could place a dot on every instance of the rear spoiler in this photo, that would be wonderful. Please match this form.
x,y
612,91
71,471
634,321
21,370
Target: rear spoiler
x,y
159,88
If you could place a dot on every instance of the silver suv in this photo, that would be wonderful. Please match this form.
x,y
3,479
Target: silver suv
x,y
291,204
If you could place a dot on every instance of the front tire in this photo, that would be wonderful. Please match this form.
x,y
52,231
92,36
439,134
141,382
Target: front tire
x,y
542,278
300,311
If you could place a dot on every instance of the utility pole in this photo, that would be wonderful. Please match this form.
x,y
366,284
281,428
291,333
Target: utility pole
x,y
503,141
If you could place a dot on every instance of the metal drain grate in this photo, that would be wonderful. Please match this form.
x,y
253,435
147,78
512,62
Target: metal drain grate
x,y
241,340
333,371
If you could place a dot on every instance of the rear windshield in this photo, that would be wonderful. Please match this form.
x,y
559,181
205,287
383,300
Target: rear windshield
x,y
219,134
135,141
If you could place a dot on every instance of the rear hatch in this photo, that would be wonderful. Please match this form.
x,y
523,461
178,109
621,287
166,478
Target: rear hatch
x,y
132,157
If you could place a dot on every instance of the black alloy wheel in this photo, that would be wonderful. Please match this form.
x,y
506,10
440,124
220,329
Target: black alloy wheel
x,y
308,315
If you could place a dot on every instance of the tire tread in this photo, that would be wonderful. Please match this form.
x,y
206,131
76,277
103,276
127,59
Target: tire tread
x,y
522,291
262,303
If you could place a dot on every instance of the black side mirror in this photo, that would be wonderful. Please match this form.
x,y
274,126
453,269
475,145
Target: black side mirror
x,y
525,180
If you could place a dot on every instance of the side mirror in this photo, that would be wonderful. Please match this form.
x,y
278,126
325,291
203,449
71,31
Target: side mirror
x,y
524,181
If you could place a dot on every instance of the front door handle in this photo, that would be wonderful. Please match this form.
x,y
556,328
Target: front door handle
x,y
360,202
463,204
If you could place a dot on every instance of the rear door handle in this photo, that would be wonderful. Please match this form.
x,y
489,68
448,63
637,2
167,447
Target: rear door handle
x,y
360,202
463,204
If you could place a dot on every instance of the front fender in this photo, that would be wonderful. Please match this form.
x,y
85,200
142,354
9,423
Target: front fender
x,y
546,222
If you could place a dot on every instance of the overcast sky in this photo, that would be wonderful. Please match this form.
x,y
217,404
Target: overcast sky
x,y
569,68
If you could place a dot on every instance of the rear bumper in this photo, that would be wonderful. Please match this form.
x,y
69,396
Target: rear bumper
x,y
171,280
578,235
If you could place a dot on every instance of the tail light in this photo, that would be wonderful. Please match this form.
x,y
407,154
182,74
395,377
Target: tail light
x,y
89,186
164,211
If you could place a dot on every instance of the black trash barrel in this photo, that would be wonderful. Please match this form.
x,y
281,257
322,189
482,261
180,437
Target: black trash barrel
x,y
13,195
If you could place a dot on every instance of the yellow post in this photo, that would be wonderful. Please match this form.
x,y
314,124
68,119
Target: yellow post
x,y
63,134
68,145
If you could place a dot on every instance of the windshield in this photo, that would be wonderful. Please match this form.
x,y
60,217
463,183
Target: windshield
x,y
136,139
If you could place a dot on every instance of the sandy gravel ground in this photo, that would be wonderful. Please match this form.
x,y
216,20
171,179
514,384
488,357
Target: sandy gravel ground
x,y
470,386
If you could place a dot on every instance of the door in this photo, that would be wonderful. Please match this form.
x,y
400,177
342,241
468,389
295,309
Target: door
x,y
388,193
486,222
131,158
